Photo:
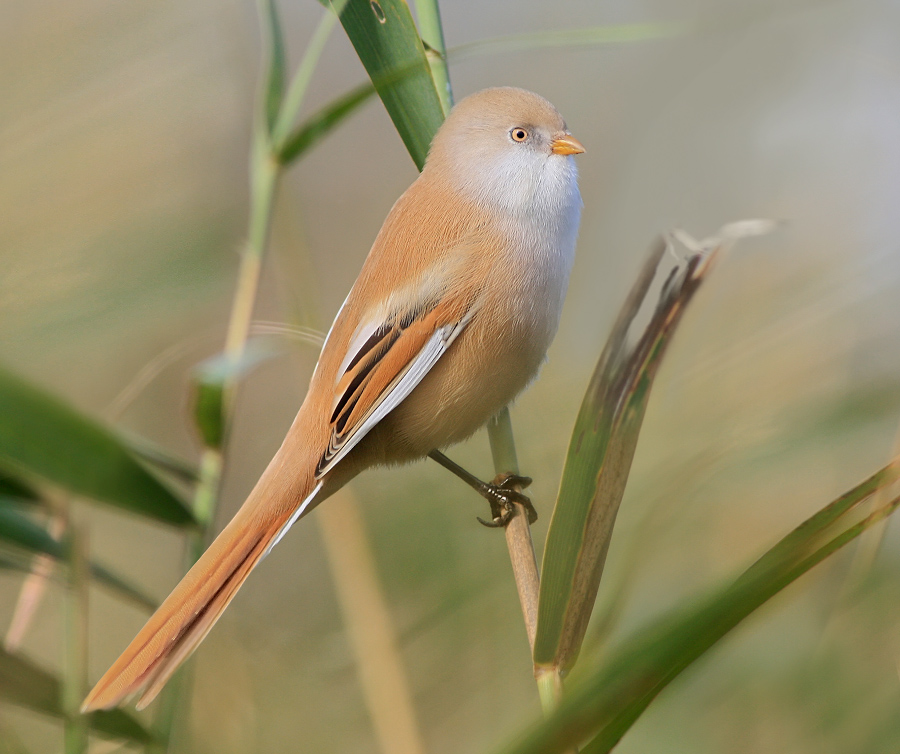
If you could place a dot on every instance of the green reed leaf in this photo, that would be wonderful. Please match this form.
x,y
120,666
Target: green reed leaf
x,y
40,436
385,38
17,489
213,377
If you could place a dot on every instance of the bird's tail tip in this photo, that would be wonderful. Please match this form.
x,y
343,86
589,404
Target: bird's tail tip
x,y
185,618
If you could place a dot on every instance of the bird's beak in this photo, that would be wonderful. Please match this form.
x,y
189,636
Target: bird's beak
x,y
566,144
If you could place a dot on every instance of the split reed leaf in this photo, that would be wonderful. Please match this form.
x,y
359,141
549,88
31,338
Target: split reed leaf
x,y
428,14
607,701
26,685
385,38
43,437
599,459
20,531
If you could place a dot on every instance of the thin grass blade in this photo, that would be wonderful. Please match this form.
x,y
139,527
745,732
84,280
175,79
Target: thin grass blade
x,y
43,437
385,38
819,527
756,586
296,90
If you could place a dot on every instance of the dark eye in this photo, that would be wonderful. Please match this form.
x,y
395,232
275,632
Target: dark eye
x,y
519,134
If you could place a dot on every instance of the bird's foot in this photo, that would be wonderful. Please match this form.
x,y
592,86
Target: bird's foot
x,y
501,493
502,496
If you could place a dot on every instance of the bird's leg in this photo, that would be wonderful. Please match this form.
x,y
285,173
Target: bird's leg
x,y
500,493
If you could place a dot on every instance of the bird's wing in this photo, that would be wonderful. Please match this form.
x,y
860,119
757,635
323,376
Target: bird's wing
x,y
386,359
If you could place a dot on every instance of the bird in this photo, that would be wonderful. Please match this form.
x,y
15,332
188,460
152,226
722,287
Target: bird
x,y
449,320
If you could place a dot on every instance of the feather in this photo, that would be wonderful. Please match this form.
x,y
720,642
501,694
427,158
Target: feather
x,y
371,400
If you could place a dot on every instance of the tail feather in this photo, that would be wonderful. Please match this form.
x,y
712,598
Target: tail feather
x,y
195,632
185,618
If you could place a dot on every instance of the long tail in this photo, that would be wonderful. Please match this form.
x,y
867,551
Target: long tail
x,y
179,625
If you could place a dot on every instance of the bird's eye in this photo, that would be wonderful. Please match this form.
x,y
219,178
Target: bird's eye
x,y
519,134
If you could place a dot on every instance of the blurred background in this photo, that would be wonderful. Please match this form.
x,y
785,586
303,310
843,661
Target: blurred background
x,y
124,131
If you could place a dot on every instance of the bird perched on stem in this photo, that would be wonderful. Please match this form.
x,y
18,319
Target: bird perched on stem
x,y
449,320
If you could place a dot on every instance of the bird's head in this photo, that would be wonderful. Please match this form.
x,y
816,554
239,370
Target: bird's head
x,y
509,148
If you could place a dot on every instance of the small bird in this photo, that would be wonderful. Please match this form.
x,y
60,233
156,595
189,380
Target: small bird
x,y
449,319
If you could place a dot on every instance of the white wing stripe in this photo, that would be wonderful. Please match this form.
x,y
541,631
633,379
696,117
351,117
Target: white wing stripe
x,y
301,509
427,357
330,330
362,334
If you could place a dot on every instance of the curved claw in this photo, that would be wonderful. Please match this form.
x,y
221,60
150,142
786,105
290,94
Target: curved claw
x,y
502,497
498,523
507,481
501,494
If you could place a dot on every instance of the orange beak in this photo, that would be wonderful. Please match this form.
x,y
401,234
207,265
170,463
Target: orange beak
x,y
566,144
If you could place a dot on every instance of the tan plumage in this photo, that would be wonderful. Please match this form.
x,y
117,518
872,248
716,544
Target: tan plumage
x,y
449,320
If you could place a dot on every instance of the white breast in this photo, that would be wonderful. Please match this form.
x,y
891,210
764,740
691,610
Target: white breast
x,y
543,215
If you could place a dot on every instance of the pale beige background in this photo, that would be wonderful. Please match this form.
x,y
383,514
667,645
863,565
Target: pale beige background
x,y
123,142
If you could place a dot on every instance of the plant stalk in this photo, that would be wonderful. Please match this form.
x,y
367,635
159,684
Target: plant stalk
x,y
522,558
296,91
264,174
518,532
263,182
549,685
75,679
369,626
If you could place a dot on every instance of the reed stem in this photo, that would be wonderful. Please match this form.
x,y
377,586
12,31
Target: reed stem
x,y
76,617
518,532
